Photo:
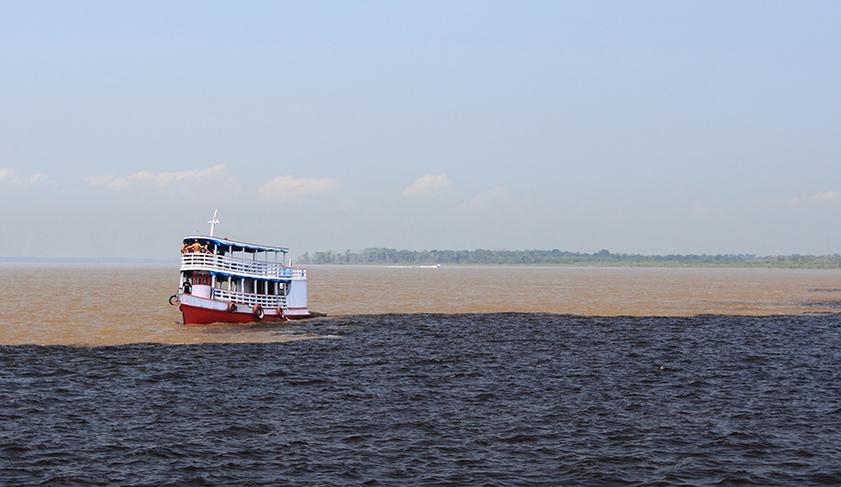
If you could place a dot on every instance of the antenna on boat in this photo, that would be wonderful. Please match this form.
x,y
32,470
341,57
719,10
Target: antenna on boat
x,y
213,221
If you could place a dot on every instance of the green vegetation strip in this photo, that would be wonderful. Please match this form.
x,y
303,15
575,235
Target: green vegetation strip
x,y
559,257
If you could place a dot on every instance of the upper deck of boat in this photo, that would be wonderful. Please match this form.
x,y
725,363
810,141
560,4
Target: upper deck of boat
x,y
217,256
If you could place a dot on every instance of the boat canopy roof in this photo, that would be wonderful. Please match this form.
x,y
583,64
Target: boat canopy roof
x,y
235,246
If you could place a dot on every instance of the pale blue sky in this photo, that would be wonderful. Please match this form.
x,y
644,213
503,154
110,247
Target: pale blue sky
x,y
651,127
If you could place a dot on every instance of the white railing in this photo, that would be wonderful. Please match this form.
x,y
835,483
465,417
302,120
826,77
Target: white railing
x,y
198,261
249,299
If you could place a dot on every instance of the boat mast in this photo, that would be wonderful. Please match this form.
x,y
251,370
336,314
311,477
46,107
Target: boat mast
x,y
213,221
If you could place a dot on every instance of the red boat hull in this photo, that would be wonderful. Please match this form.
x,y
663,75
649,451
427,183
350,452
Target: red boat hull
x,y
194,315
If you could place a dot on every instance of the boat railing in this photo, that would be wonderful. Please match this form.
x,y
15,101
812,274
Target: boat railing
x,y
199,261
266,301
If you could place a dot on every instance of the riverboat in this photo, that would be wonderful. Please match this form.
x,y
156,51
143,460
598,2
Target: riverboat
x,y
229,281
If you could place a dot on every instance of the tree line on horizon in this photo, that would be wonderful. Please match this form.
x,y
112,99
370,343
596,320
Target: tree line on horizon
x,y
555,256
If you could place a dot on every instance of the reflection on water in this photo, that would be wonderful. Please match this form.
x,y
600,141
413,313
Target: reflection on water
x,y
99,305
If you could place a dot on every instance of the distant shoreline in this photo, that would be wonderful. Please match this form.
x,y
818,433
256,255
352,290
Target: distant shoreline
x,y
86,260
556,257
572,266
469,258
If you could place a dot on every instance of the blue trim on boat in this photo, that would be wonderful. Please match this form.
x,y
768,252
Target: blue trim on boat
x,y
239,246
217,273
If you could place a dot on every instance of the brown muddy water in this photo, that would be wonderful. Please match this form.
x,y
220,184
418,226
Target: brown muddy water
x,y
111,305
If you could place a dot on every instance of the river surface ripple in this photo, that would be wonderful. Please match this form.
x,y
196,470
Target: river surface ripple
x,y
438,399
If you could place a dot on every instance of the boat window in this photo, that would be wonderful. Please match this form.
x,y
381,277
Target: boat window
x,y
201,279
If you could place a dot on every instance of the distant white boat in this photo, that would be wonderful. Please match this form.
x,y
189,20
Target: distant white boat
x,y
433,266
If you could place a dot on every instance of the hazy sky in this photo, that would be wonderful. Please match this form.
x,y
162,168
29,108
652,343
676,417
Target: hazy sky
x,y
651,127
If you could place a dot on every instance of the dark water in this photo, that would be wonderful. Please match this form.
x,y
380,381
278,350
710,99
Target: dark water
x,y
438,399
